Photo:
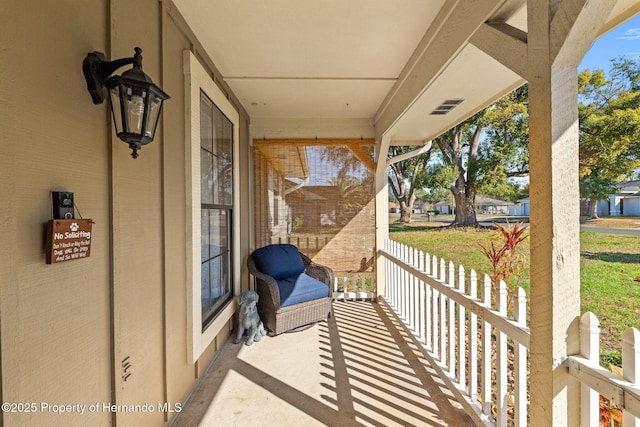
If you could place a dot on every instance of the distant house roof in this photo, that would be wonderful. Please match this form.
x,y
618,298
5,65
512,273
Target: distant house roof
x,y
305,192
488,201
482,201
629,187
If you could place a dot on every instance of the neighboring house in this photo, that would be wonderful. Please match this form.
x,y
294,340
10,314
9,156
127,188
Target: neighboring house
x,y
484,205
443,208
312,207
625,202
521,208
487,205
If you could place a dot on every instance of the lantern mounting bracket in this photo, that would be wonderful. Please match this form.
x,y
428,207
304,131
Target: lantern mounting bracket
x,y
135,100
97,69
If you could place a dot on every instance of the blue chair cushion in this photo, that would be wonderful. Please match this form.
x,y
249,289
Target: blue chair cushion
x,y
301,288
278,261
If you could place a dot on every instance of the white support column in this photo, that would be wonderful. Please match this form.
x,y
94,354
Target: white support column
x,y
555,240
559,33
382,211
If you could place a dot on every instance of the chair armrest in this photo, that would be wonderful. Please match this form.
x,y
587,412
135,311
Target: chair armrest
x,y
266,286
320,272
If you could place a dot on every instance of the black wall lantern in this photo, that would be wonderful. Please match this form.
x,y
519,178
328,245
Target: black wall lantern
x,y
135,101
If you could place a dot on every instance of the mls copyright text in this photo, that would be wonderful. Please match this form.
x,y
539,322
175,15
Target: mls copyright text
x,y
77,408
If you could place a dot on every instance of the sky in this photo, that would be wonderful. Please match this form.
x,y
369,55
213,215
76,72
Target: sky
x,y
622,41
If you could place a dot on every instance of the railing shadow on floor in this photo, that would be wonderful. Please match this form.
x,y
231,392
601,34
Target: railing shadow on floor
x,y
361,367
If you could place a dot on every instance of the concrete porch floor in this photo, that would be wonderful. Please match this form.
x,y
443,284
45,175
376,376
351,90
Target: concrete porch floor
x,y
358,369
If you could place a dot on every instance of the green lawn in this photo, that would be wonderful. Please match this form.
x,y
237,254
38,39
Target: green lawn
x,y
609,264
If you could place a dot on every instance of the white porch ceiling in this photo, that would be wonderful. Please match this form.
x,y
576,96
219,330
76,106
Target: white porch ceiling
x,y
346,59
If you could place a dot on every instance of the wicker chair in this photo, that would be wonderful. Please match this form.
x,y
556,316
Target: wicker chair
x,y
294,291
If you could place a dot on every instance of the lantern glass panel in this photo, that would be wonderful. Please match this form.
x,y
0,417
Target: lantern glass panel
x,y
114,99
153,112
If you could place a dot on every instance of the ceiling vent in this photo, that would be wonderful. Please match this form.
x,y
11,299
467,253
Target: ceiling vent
x,y
446,106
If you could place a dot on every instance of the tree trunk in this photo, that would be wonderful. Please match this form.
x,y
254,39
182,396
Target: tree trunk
x,y
405,212
465,210
593,211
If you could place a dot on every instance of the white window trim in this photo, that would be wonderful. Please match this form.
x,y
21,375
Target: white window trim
x,y
197,78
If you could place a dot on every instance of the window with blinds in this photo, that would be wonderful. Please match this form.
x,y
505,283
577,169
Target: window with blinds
x,y
216,195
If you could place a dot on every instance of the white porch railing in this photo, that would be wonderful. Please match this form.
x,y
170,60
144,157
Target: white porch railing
x,y
355,286
624,392
481,352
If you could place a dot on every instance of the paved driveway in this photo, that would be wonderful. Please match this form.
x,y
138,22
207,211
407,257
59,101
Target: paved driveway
x,y
629,231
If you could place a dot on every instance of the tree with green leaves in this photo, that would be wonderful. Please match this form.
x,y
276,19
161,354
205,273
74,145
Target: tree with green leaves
x,y
504,150
481,153
405,177
609,113
459,149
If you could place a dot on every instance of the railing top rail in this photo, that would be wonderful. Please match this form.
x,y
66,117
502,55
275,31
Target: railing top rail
x,y
624,394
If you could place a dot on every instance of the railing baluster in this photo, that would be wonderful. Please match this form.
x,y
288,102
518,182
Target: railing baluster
x,y
416,293
389,274
486,352
520,364
462,351
631,367
404,284
427,300
435,346
354,286
451,319
589,349
421,296
473,339
443,316
501,361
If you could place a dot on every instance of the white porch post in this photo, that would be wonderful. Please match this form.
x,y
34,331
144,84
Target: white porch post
x,y
555,243
559,33
382,210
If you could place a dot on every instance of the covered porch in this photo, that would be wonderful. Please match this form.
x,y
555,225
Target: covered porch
x,y
139,321
361,367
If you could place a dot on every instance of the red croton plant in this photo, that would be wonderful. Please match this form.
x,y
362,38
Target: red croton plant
x,y
505,262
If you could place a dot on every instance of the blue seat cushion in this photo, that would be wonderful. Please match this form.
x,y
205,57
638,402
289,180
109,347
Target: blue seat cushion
x,y
278,261
301,288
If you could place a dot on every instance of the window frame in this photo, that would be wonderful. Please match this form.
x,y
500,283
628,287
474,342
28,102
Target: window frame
x,y
197,79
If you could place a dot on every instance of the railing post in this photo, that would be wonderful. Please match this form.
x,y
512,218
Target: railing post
x,y
631,367
590,350
520,364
